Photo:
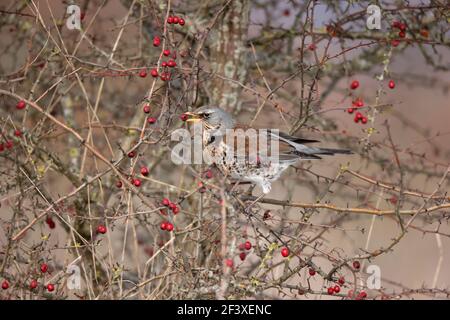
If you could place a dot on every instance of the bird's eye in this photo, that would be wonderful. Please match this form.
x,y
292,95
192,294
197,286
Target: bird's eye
x,y
205,115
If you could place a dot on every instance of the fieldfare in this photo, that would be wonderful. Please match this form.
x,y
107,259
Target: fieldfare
x,y
275,151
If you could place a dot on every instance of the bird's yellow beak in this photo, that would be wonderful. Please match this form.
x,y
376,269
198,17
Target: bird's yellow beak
x,y
192,117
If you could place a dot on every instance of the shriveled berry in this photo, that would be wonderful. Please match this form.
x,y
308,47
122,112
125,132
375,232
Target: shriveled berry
x,y
341,280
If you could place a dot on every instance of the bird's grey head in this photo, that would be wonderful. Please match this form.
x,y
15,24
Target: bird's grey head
x,y
212,118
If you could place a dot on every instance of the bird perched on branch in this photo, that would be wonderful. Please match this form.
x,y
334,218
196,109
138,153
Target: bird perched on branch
x,y
231,148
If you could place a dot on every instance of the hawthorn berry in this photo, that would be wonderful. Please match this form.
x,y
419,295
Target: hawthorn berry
x,y
181,22
391,84
50,287
312,47
9,144
164,64
163,225
364,120
247,245
395,42
101,229
402,27
137,182
156,41
21,104
169,226
208,174
166,202
176,210
402,34
184,117
51,224
350,110
354,84
131,154
5,284
176,20
151,120
362,295
285,252
330,291
242,256
144,171
146,108
172,205
2,147
359,103
143,73
171,63
166,52
356,265
337,289
119,184
229,263
169,20
33,284
17,133
341,281
154,73
44,268
312,272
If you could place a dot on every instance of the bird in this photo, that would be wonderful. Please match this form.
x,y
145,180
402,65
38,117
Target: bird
x,y
220,142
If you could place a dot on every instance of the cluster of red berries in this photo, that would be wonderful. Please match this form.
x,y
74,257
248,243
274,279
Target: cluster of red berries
x,y
166,225
8,145
208,174
333,289
247,245
401,27
171,205
358,103
360,296
175,20
33,283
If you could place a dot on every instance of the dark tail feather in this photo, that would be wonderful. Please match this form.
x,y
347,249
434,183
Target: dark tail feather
x,y
329,151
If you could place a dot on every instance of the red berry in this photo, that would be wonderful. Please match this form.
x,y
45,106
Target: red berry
x,y
337,289
163,225
146,108
144,171
131,154
356,265
208,174
137,182
181,22
166,52
166,202
359,115
176,210
330,291
354,84
156,41
33,284
362,295
143,73
285,252
50,223
17,133
169,226
312,272
176,20
395,24
358,103
20,105
164,64
170,20
247,245
391,84
2,147
151,120
50,287
312,47
171,63
395,42
402,27
44,268
242,256
364,120
172,205
350,110
402,34
119,184
341,281
9,144
5,284
229,263
184,117
101,229
154,73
